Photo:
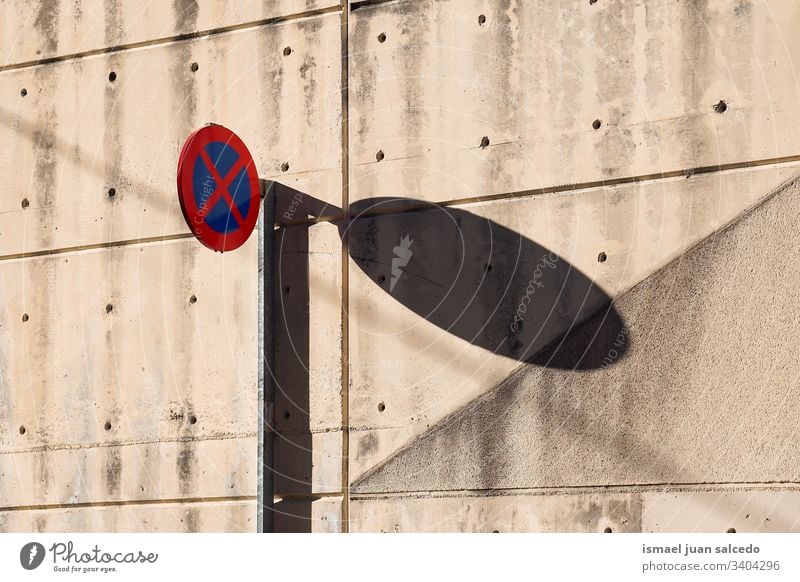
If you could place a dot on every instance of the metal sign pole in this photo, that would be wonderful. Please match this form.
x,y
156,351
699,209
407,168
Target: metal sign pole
x,y
266,360
261,358
221,204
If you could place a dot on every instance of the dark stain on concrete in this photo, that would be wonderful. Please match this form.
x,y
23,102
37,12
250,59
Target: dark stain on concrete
x,y
77,13
184,90
113,113
656,18
270,68
614,36
310,27
114,32
186,13
504,60
581,513
43,480
42,273
46,24
308,72
501,68
185,466
112,473
367,446
696,68
743,8
365,60
415,53
191,520
46,175
40,523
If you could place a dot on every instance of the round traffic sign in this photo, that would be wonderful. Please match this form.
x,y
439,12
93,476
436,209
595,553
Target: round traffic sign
x,y
218,188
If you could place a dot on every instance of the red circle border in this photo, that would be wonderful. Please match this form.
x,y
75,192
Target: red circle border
x,y
191,150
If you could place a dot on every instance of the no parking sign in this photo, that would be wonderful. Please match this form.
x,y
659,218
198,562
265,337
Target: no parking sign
x,y
218,188
220,196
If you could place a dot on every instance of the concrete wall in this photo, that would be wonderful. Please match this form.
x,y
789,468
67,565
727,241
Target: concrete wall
x,y
589,325
128,352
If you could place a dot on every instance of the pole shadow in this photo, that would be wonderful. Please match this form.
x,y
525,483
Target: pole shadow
x,y
470,276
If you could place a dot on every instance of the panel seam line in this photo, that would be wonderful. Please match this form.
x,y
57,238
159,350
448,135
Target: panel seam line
x,y
172,38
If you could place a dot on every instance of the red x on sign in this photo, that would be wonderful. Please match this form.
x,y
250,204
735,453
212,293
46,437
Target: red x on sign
x,y
218,188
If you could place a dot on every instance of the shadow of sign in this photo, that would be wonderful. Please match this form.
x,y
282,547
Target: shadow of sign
x,y
485,283
468,275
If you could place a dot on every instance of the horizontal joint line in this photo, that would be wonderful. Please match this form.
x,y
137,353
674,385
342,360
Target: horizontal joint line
x,y
88,504
173,38
640,488
559,189
95,246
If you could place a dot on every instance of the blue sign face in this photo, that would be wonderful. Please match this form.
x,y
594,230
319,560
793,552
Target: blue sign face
x,y
221,187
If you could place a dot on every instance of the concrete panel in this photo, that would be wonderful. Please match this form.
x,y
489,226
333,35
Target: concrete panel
x,y
744,509
309,515
188,469
446,305
31,30
308,463
763,510
703,393
543,513
225,516
128,344
76,136
534,77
